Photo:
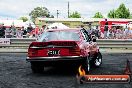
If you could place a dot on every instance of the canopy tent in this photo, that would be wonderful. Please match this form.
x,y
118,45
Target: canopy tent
x,y
58,26
112,23
16,23
27,23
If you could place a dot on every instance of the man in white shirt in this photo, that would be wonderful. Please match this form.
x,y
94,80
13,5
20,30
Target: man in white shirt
x,y
19,33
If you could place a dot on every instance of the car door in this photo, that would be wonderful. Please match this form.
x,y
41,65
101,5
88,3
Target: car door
x,y
87,41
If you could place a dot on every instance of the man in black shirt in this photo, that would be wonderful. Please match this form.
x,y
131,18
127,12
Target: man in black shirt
x,y
30,28
2,31
105,29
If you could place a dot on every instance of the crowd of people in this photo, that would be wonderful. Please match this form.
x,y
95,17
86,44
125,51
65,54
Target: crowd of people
x,y
18,32
116,32
119,33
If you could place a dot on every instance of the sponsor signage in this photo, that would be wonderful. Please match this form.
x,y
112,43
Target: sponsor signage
x,y
105,79
111,78
4,41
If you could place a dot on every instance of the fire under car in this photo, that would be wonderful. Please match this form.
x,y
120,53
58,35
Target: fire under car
x,y
64,46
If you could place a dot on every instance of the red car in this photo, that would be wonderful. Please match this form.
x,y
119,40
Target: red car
x,y
56,47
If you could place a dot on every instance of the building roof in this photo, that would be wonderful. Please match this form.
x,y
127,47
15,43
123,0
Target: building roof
x,y
83,19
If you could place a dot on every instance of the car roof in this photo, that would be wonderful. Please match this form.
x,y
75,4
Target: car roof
x,y
69,29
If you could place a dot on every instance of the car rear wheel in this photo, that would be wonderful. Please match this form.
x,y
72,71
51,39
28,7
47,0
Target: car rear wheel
x,y
98,60
37,67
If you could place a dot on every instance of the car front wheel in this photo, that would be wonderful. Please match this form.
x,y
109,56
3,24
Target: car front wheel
x,y
98,60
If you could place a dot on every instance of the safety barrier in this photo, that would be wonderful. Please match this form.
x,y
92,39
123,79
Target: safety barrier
x,y
18,43
115,43
21,45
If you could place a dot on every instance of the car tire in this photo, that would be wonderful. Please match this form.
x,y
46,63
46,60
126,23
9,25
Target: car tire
x,y
37,67
86,65
97,61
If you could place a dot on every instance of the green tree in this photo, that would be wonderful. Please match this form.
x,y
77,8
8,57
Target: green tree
x,y
98,15
39,12
75,15
120,12
112,14
23,18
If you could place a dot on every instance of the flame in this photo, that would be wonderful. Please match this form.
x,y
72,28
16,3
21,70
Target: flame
x,y
81,71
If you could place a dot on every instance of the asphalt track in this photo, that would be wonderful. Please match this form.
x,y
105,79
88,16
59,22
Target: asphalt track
x,y
15,72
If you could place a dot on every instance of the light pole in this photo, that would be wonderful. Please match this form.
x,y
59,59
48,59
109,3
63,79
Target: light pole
x,y
57,13
68,9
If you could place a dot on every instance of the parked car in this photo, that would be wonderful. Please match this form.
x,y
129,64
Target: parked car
x,y
61,46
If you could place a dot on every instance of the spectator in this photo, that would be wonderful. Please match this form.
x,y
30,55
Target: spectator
x,y
97,32
131,33
8,33
30,28
89,30
127,32
2,31
110,34
122,33
13,28
118,33
37,31
19,33
24,32
32,33
42,29
106,29
114,32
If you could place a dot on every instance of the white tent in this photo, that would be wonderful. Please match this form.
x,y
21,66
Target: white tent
x,y
58,26
26,24
17,23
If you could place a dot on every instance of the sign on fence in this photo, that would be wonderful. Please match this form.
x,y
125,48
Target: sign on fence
x,y
4,41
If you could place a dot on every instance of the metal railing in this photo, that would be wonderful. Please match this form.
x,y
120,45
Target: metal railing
x,y
23,44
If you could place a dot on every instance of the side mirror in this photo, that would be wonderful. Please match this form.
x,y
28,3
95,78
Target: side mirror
x,y
94,39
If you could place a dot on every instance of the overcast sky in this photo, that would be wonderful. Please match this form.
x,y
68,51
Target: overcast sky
x,y
13,9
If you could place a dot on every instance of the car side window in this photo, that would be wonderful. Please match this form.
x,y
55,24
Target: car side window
x,y
85,35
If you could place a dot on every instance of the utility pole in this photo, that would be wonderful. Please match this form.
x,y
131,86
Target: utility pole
x,y
57,13
68,9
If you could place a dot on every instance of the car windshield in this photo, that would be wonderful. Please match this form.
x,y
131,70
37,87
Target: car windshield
x,y
59,36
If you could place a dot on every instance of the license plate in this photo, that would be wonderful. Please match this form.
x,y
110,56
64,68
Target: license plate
x,y
53,52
